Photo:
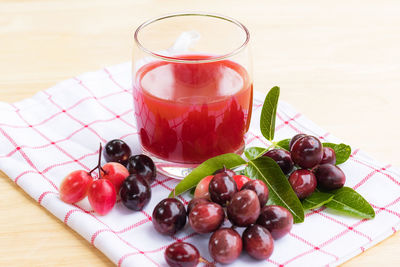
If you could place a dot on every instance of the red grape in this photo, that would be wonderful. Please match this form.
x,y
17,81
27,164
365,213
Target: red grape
x,y
206,217
181,254
303,183
75,185
225,245
117,151
135,192
194,202
329,156
260,188
169,216
201,190
278,220
102,196
143,166
240,180
116,173
329,177
221,188
258,242
244,208
307,152
282,158
294,139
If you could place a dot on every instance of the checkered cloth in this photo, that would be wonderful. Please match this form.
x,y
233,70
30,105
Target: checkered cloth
x,y
58,130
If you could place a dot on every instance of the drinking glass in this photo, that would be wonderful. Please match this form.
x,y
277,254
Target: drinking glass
x,y
192,89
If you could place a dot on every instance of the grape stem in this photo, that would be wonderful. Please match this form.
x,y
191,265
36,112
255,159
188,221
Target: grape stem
x,y
174,192
98,167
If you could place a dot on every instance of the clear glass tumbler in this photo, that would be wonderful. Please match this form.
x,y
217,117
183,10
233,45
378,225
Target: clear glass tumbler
x,y
192,88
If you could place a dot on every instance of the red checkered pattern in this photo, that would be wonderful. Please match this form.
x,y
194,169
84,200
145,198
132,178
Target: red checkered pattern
x,y
58,130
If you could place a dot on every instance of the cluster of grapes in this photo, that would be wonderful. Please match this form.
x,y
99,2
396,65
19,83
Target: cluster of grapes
x,y
130,176
242,200
315,165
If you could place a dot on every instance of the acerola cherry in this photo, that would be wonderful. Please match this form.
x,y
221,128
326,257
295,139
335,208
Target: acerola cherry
x,y
102,196
117,151
240,180
294,139
303,183
307,152
206,217
225,245
260,188
244,208
282,158
276,219
329,177
135,192
143,166
201,190
181,254
169,216
194,202
258,242
221,188
115,173
75,185
329,156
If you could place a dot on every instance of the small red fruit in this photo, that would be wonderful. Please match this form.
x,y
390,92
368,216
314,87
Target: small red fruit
x,y
258,242
102,196
240,180
307,152
276,219
182,254
260,188
116,173
243,208
329,156
75,186
222,187
303,183
201,190
194,202
206,217
225,245
329,177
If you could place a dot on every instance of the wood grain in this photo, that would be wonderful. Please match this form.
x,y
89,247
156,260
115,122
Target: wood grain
x,y
337,62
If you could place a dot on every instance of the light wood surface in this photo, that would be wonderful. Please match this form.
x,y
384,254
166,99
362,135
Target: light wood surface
x,y
337,62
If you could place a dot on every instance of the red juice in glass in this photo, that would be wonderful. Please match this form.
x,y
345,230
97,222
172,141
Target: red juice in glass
x,y
190,112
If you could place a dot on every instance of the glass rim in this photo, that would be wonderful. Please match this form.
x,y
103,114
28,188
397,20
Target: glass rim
x,y
182,14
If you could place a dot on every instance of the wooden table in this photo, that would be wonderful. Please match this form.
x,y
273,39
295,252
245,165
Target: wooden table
x,y
337,62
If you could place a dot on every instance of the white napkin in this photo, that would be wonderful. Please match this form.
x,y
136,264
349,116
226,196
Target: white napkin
x,y
58,130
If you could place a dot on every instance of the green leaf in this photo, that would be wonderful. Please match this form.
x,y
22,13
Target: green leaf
x,y
209,166
280,191
268,113
284,144
349,202
342,151
254,152
316,200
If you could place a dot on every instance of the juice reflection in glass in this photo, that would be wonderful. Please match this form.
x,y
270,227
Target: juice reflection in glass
x,y
192,89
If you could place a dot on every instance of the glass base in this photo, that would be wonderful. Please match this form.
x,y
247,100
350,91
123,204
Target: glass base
x,y
176,170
